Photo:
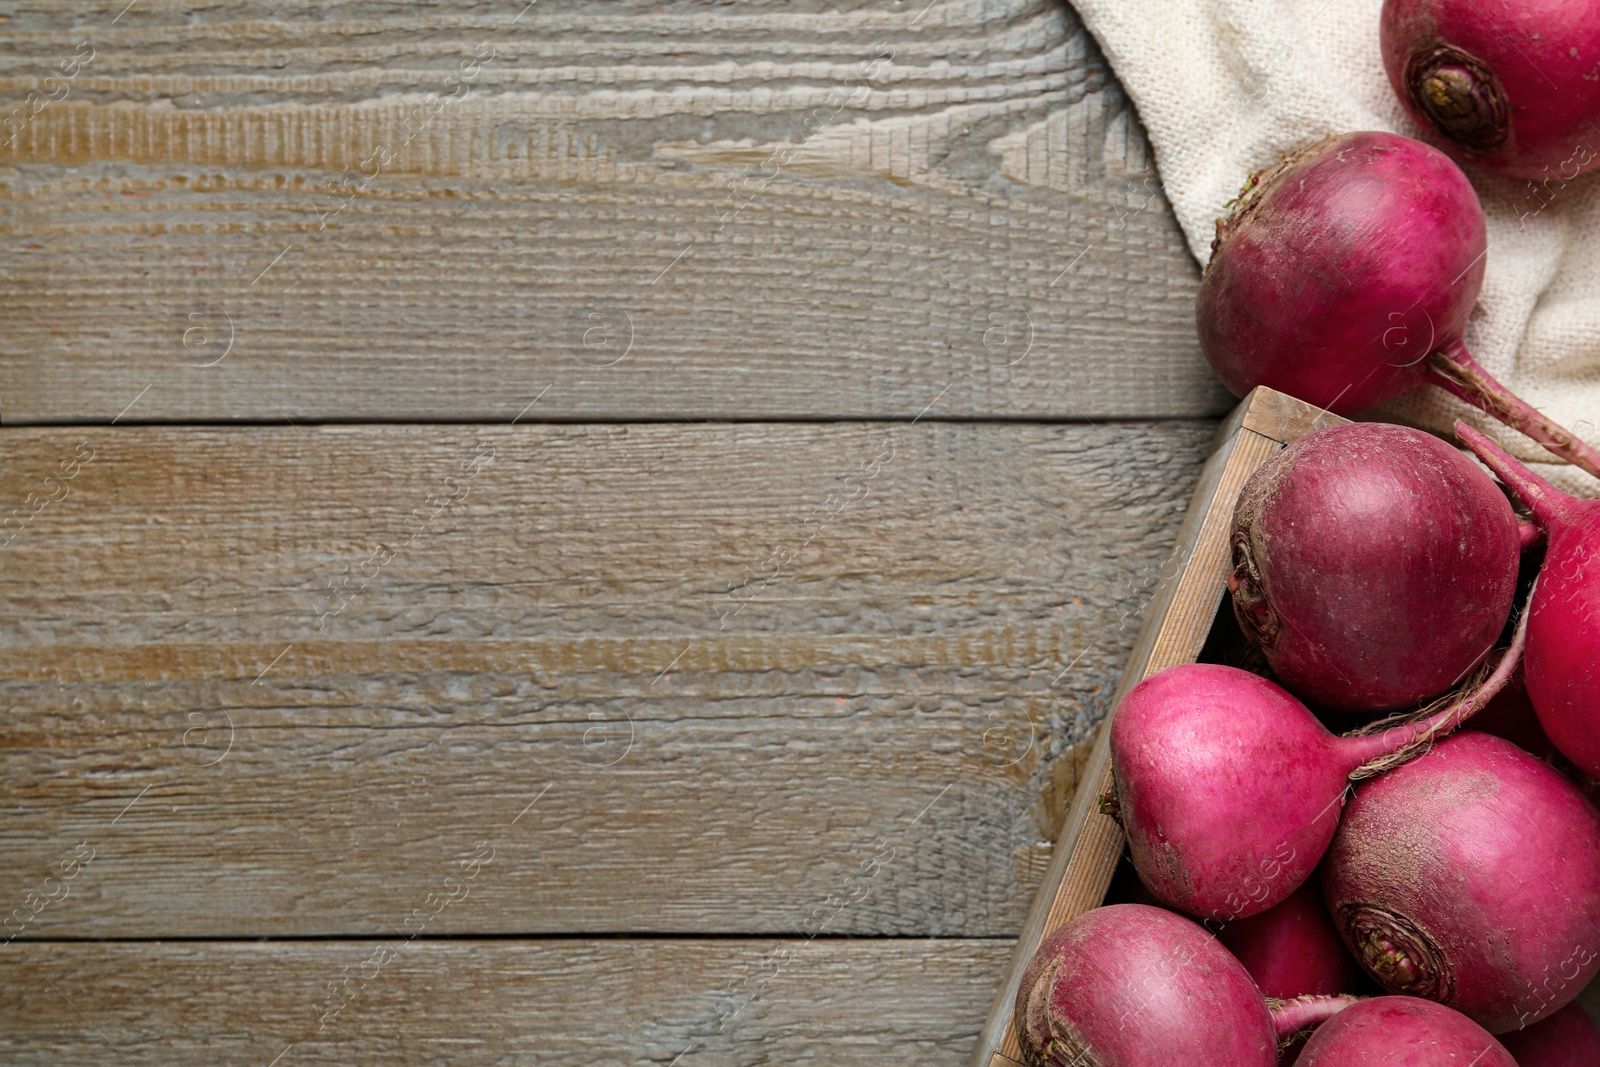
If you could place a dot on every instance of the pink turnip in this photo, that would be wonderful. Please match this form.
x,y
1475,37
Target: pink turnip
x,y
1568,1038
1373,565
1510,715
1563,658
1402,1032
1134,986
1229,789
1344,277
1512,86
1471,876
1292,949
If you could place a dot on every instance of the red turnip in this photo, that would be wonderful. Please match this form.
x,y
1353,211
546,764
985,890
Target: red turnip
x,y
1510,715
1512,86
1373,565
1566,1039
1402,1032
1471,876
1563,660
1229,788
1344,277
1134,986
1293,949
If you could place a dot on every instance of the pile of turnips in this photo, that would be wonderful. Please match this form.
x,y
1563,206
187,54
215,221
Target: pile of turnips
x,y
1344,274
1344,867
1374,568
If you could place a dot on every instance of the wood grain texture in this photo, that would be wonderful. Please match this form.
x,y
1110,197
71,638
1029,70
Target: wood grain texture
x,y
715,1003
656,211
729,665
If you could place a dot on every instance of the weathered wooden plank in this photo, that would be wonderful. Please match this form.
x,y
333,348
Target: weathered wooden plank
x,y
724,1002
774,210
731,666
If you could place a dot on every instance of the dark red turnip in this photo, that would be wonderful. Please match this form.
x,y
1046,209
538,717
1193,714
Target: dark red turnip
x,y
1563,659
1402,1032
1510,715
1134,986
1293,949
1471,876
1229,789
1344,277
1512,86
1373,565
1566,1039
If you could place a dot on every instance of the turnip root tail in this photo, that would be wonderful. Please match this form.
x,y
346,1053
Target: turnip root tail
x,y
1550,506
1110,807
1453,369
1400,739
1291,1018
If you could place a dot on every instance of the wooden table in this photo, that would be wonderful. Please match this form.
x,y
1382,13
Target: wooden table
x,y
579,533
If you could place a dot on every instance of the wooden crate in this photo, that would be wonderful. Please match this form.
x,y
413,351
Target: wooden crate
x,y
1176,626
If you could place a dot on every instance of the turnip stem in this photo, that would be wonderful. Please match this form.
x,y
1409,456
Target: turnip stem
x,y
1453,369
1549,505
1407,740
1290,1017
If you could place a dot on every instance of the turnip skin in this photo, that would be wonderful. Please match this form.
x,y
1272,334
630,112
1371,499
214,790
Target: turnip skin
x,y
1568,1038
1293,949
1402,1032
1374,565
1508,86
1471,877
1562,666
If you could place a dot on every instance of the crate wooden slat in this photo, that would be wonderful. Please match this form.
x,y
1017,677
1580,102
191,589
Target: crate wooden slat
x,y
1175,628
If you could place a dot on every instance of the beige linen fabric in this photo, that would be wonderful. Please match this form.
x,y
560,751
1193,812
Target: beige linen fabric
x,y
1226,87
